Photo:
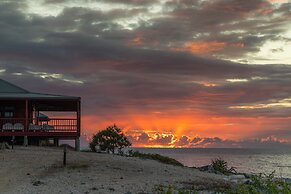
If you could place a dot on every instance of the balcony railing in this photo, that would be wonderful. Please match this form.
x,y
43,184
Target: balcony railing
x,y
37,125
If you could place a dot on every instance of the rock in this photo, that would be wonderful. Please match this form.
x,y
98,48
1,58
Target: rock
x,y
238,178
37,183
111,189
204,168
247,175
94,188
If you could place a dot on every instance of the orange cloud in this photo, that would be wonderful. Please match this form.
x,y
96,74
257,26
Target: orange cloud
x,y
209,47
137,41
239,45
205,47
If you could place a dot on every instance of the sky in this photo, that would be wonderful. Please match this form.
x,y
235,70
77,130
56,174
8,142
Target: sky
x,y
170,73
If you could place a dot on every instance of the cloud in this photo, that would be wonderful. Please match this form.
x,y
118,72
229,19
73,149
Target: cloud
x,y
267,142
132,58
183,141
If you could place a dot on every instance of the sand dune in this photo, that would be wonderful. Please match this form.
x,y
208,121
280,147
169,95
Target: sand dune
x,y
31,170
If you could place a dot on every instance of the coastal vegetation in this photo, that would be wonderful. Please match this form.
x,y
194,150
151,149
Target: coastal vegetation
x,y
221,166
262,184
258,184
254,184
157,157
109,140
112,139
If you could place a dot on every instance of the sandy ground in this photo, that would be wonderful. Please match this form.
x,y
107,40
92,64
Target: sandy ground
x,y
32,170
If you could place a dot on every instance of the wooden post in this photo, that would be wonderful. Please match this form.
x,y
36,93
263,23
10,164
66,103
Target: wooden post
x,y
65,155
26,115
56,142
77,144
77,139
25,139
79,117
12,141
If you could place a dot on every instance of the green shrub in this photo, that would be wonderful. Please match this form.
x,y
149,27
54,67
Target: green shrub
x,y
158,157
110,139
220,165
262,184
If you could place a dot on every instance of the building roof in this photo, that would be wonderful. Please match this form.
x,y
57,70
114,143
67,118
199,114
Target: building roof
x,y
6,87
11,91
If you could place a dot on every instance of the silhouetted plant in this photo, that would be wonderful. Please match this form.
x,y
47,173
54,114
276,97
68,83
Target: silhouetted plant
x,y
158,157
220,165
110,139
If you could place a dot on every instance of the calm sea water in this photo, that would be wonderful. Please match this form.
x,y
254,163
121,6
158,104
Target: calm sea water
x,y
245,160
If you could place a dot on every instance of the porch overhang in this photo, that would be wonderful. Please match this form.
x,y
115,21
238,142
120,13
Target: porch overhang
x,y
29,104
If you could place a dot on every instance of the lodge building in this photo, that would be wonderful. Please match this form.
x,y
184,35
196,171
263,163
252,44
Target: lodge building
x,y
23,116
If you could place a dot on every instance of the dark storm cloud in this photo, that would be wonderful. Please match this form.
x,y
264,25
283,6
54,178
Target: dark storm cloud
x,y
134,2
223,21
86,45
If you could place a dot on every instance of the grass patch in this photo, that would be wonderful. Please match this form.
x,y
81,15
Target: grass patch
x,y
160,189
258,184
157,157
262,184
193,187
208,184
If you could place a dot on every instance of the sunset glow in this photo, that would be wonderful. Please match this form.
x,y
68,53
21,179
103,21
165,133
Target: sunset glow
x,y
170,73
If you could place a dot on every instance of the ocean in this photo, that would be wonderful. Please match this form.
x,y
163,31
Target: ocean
x,y
245,160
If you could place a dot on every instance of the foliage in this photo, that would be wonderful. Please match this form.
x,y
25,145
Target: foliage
x,y
263,184
258,184
160,189
158,157
220,165
110,139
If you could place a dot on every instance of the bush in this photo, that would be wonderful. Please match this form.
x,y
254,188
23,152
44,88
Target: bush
x,y
110,139
262,184
220,165
157,157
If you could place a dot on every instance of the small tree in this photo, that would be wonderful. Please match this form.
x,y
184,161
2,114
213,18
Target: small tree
x,y
110,139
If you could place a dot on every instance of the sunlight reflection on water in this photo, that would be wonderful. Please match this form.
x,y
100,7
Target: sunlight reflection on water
x,y
245,160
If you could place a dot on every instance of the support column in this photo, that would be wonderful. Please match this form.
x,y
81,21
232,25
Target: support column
x,y
56,142
26,116
77,139
79,117
25,141
77,144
